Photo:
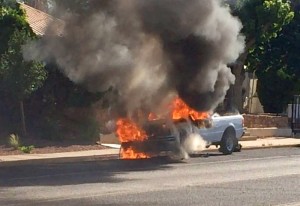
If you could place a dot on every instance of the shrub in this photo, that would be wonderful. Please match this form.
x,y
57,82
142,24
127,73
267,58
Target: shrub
x,y
26,149
14,141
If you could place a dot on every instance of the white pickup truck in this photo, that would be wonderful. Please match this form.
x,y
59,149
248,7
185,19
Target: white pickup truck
x,y
224,131
168,139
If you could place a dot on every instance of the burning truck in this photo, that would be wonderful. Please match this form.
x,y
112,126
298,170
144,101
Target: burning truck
x,y
182,132
149,51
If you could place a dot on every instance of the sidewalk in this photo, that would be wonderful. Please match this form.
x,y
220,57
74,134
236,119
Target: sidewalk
x,y
63,157
113,152
270,142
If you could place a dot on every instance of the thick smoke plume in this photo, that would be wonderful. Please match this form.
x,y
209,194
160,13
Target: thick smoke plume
x,y
148,50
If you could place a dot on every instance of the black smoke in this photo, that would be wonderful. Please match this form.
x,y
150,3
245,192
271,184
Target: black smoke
x,y
148,50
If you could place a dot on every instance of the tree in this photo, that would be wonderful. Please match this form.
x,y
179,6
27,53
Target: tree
x,y
45,92
262,20
277,64
18,78
11,18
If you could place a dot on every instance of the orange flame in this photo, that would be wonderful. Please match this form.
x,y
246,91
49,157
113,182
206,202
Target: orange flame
x,y
182,110
129,153
128,131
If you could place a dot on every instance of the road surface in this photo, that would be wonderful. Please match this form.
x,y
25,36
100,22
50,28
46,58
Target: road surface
x,y
252,177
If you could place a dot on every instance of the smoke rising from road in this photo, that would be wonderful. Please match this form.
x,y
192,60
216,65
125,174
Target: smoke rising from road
x,y
148,50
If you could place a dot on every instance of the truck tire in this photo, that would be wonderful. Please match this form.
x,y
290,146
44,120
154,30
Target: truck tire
x,y
228,142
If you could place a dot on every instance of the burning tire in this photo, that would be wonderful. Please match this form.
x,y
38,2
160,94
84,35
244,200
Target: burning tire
x,y
229,142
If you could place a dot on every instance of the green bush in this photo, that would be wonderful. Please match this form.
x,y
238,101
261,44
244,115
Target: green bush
x,y
26,149
14,141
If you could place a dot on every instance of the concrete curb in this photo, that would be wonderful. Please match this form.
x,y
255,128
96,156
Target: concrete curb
x,y
65,157
258,146
269,147
112,154
270,143
59,160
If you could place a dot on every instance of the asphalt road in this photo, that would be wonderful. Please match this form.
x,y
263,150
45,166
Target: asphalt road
x,y
252,177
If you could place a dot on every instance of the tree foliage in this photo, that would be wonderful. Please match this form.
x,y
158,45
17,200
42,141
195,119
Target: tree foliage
x,y
18,77
277,66
11,18
262,20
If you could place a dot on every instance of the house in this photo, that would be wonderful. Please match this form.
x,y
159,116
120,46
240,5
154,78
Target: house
x,y
39,21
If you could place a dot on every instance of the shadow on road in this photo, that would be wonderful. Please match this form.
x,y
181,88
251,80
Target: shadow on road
x,y
77,173
83,172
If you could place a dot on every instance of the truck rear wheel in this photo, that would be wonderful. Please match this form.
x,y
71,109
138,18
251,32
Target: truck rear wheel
x,y
228,142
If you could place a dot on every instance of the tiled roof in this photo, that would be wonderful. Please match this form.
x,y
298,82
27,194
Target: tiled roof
x,y
39,21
